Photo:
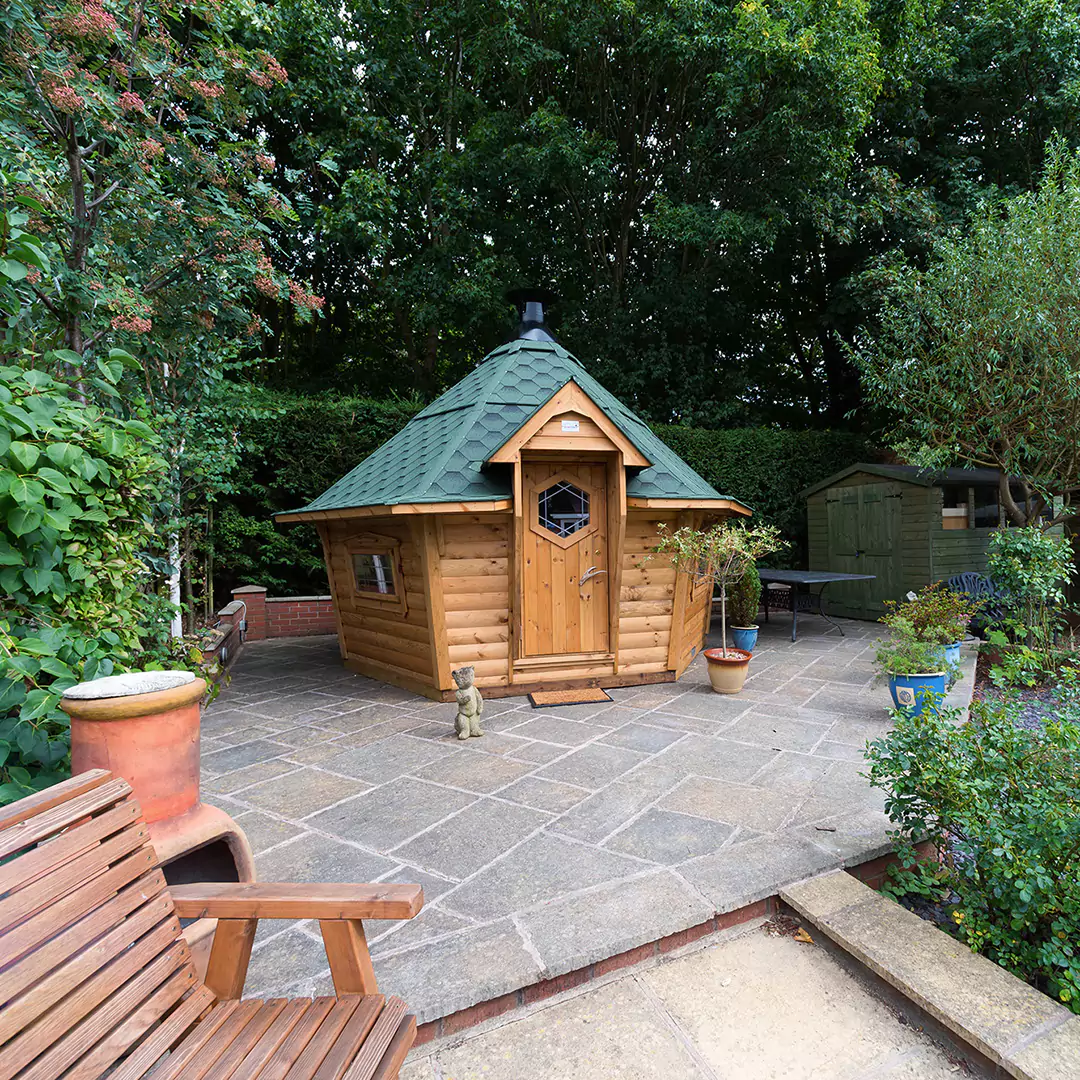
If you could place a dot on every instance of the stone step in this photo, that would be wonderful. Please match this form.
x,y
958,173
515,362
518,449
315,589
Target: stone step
x,y
1022,1031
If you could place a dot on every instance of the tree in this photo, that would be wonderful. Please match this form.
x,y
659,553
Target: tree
x,y
638,157
78,488
719,555
977,357
122,123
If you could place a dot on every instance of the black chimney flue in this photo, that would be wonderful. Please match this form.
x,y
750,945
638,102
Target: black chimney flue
x,y
530,304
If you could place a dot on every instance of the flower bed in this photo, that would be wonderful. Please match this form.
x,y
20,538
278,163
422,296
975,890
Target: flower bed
x,y
1000,801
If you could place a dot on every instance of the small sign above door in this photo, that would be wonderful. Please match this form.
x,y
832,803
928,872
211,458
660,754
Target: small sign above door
x,y
571,425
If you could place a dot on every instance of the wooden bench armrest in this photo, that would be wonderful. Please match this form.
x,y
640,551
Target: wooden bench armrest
x,y
263,900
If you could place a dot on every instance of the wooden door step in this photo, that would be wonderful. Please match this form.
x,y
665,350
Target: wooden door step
x,y
561,660
545,699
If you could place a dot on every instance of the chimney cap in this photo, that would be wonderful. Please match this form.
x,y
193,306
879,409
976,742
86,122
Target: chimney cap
x,y
530,303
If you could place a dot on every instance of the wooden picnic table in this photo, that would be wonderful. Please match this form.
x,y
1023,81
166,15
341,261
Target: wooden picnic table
x,y
803,597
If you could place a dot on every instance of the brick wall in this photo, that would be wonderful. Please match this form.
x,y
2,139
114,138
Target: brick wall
x,y
294,616
284,616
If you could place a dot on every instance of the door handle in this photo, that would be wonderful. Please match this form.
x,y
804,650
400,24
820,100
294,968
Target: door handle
x,y
593,571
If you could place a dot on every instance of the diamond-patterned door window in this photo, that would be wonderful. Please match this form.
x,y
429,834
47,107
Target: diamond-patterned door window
x,y
563,509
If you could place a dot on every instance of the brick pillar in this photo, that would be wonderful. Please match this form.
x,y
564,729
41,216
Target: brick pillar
x,y
254,596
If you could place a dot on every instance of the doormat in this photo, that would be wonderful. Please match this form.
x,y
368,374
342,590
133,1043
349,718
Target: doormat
x,y
544,699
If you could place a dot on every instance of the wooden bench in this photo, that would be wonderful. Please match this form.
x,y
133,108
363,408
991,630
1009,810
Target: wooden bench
x,y
97,980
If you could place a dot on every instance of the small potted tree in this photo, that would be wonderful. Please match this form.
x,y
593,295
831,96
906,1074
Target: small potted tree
x,y
721,555
744,597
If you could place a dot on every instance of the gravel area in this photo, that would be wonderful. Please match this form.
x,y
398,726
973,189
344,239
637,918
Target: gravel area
x,y
1033,705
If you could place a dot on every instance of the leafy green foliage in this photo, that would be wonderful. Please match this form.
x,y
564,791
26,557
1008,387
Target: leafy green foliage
x,y
295,447
903,652
744,598
657,149
766,469
124,126
935,614
1017,664
126,147
1002,805
978,355
1030,568
920,627
78,489
705,185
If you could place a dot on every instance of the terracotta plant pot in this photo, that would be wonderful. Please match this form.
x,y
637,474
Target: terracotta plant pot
x,y
727,673
149,738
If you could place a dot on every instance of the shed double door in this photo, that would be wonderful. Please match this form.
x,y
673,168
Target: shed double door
x,y
864,538
564,558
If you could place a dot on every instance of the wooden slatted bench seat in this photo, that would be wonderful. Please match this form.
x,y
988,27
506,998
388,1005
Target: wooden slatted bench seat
x,y
97,980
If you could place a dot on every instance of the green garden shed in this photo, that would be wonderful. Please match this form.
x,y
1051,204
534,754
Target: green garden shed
x,y
905,525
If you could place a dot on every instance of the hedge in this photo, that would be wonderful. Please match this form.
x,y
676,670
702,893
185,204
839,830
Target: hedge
x,y
766,469
310,442
291,457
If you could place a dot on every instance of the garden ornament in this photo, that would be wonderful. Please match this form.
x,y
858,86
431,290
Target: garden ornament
x,y
469,704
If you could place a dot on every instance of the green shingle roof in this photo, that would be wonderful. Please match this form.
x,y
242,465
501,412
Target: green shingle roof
x,y
439,455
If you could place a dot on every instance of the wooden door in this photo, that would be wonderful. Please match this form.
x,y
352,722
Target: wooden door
x,y
564,559
879,552
864,538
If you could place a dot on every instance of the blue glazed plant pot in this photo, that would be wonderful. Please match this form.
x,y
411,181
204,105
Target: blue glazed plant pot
x,y
915,692
949,658
744,637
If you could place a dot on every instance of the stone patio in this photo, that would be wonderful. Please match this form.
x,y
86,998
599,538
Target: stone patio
x,y
560,838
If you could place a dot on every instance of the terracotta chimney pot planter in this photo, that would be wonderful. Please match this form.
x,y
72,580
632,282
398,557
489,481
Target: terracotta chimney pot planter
x,y
150,738
144,726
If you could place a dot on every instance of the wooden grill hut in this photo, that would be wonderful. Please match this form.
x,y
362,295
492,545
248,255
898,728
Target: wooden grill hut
x,y
504,527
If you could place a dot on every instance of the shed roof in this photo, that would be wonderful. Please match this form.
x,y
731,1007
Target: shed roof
x,y
911,474
439,455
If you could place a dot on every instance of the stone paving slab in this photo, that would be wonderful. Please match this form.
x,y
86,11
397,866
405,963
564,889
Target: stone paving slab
x,y
971,996
446,974
558,838
746,1006
578,930
1054,1055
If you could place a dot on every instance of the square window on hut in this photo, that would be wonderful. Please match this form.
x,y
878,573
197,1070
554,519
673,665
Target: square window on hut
x,y
373,572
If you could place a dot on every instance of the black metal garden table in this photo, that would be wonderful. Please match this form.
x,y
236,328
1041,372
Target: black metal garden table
x,y
803,598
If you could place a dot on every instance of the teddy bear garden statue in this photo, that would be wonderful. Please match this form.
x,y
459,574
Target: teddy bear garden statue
x,y
469,704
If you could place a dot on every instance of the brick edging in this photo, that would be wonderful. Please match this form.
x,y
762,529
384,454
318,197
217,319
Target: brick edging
x,y
528,995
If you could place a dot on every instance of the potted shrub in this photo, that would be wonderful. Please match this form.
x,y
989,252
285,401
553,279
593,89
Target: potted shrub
x,y
720,555
914,668
938,616
744,597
